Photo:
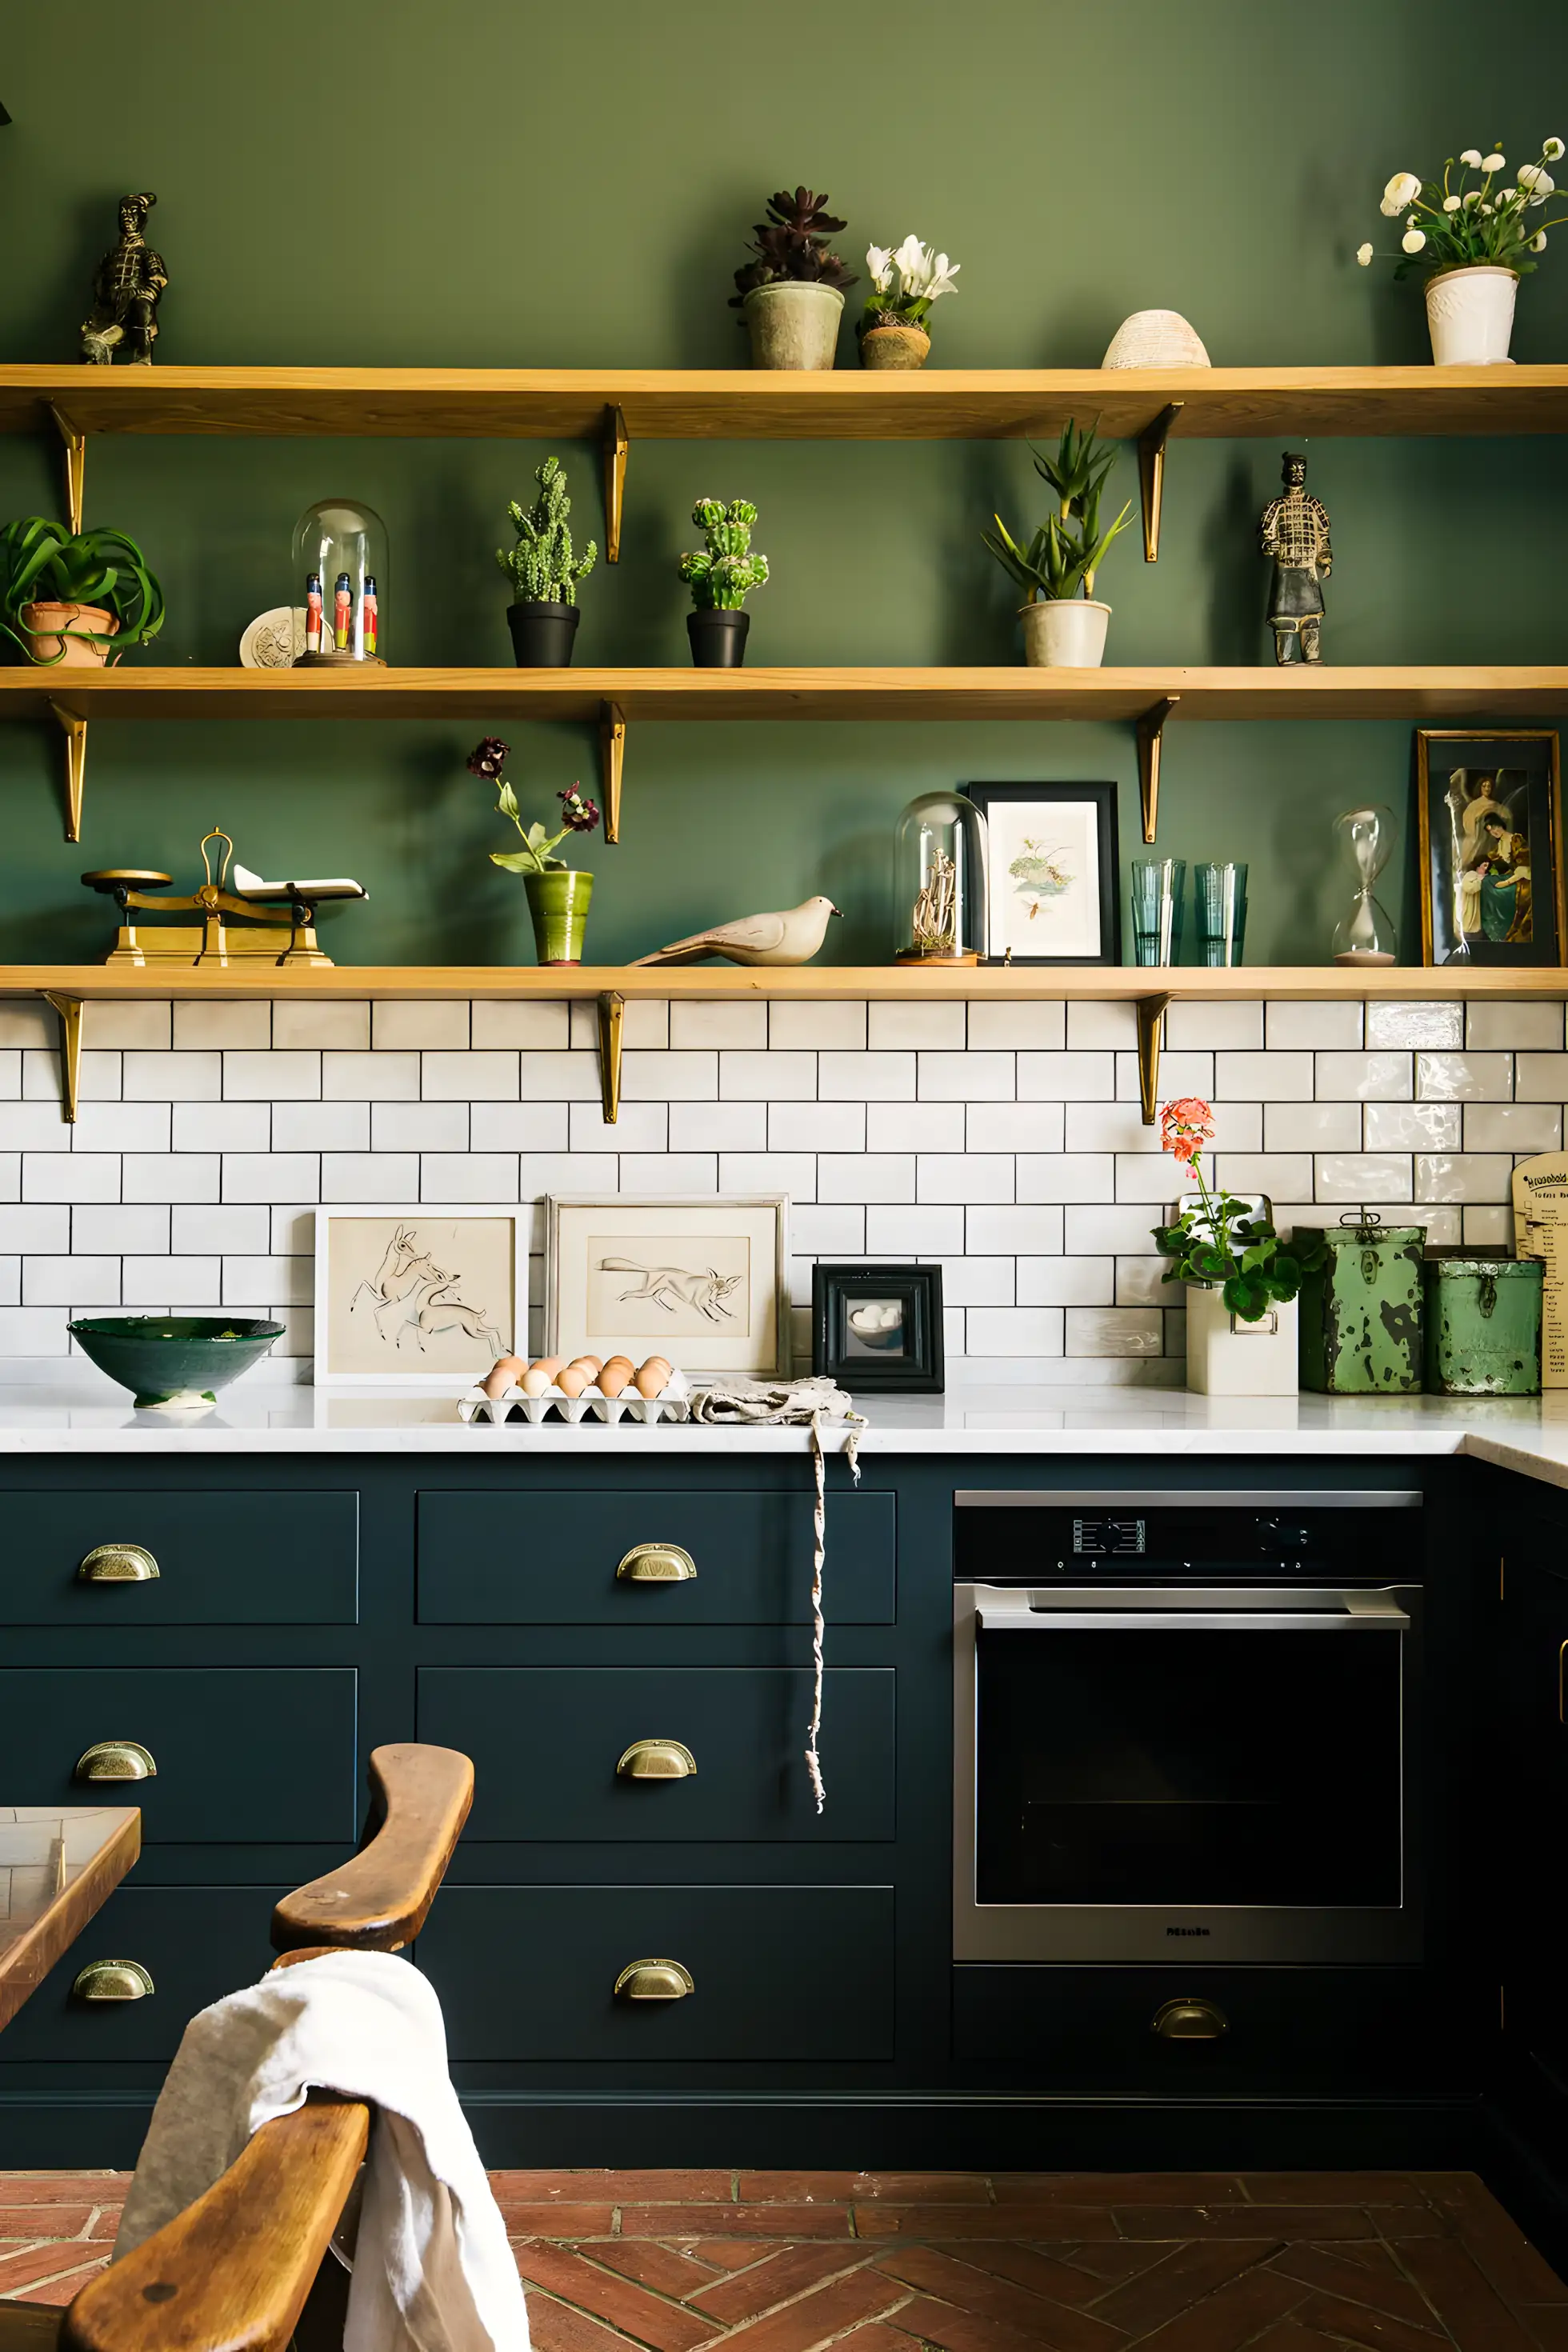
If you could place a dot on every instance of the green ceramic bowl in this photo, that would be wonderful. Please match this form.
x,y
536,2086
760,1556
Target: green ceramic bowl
x,y
178,1359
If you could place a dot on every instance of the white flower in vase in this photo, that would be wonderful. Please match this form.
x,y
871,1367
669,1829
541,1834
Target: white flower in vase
x,y
1365,256
1471,158
1494,163
1414,240
1402,190
1451,203
1552,148
879,263
1540,183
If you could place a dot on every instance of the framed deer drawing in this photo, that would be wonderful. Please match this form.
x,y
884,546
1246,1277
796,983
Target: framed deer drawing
x,y
703,1282
425,1298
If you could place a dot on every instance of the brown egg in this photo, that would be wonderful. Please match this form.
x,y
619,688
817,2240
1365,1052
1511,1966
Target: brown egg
x,y
572,1382
501,1376
617,1363
652,1379
535,1380
591,1365
551,1364
613,1379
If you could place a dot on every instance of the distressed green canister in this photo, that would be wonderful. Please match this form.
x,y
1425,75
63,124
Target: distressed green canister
x,y
1362,1306
1483,1324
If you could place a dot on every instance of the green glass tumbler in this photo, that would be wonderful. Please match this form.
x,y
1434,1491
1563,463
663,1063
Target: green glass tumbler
x,y
1220,892
1158,888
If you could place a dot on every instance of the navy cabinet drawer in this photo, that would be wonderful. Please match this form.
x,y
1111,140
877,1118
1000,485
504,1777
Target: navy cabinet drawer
x,y
780,1972
546,1742
196,1942
245,1754
548,1558
223,1559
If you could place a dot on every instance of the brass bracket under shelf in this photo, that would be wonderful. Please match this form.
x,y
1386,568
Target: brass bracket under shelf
x,y
76,468
1151,1030
75,731
1151,474
616,447
1150,736
69,1009
611,1022
612,760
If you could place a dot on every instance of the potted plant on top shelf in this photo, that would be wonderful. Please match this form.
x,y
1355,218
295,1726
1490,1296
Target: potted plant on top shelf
x,y
545,573
904,285
792,294
1064,627
720,577
1474,244
73,600
558,896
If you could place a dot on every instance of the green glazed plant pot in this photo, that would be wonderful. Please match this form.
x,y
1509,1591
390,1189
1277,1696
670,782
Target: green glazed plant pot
x,y
559,905
174,1360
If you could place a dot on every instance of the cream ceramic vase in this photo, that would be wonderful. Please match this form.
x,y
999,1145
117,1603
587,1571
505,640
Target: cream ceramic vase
x,y
1469,315
1065,632
1226,1357
794,325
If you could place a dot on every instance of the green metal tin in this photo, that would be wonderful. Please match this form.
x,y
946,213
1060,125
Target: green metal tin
x,y
1362,1308
1483,1324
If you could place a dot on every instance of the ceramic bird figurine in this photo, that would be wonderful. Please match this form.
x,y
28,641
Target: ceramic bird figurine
x,y
792,937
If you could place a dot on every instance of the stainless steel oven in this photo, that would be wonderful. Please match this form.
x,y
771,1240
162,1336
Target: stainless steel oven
x,y
1187,1720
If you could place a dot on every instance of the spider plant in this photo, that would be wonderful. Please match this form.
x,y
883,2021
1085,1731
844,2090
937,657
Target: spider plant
x,y
43,563
1067,551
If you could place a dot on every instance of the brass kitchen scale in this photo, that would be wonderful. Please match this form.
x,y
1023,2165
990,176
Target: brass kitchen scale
x,y
236,927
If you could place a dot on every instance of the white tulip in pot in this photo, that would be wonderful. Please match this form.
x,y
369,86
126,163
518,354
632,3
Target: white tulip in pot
x,y
1241,1283
1064,625
1473,243
792,294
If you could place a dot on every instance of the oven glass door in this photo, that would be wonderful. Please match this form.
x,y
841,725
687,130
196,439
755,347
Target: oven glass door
x,y
1183,1760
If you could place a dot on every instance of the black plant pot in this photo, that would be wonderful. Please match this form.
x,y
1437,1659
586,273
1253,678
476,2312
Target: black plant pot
x,y
541,633
717,639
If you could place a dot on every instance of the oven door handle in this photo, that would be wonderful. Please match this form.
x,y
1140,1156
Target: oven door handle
x,y
1355,1612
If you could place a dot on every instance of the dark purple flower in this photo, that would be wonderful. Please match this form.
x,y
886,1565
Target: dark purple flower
x,y
488,758
579,815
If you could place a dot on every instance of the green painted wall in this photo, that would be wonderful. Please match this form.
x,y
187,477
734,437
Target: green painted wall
x,y
502,183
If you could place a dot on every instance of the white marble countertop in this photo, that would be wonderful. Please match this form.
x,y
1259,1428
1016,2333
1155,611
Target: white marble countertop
x,y
1524,1434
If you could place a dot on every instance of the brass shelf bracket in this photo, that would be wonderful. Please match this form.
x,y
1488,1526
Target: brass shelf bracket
x,y
76,468
1150,1031
1151,474
74,728
69,1009
612,758
616,447
611,1022
1150,735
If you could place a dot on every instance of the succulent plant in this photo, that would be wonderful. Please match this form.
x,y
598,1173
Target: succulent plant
x,y
1069,546
793,244
722,576
541,566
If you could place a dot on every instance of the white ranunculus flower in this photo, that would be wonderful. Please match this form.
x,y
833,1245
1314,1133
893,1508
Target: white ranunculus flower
x,y
1450,204
879,262
1552,148
1538,242
1402,190
1506,196
1414,239
1363,255
1540,185
1473,198
1486,208
1472,158
1494,163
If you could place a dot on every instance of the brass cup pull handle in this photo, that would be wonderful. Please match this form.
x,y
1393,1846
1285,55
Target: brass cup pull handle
x,y
1190,2020
118,1563
115,1760
654,1981
656,1759
112,1980
655,1563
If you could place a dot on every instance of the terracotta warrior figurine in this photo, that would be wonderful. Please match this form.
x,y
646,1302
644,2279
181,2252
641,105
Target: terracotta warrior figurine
x,y
1294,532
125,292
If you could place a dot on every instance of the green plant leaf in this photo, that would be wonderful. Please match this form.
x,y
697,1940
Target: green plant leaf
x,y
516,861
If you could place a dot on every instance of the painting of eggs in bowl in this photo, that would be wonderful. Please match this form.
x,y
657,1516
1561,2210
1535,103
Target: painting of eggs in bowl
x,y
875,1327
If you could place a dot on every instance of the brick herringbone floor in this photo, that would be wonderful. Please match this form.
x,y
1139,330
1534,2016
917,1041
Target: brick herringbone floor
x,y
791,2262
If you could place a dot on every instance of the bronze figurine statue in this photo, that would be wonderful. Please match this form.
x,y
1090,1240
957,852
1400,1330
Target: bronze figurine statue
x,y
126,290
1294,534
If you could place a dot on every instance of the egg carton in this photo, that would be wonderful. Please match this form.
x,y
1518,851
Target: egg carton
x,y
673,1403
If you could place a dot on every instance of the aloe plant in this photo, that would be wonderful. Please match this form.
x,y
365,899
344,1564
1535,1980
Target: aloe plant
x,y
43,563
1069,546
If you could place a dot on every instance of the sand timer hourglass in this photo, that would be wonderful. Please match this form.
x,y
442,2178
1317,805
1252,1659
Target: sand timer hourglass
x,y
1366,935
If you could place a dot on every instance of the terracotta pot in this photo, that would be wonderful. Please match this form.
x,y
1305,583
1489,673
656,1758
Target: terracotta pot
x,y
793,324
1226,1357
1469,315
43,626
1065,632
894,347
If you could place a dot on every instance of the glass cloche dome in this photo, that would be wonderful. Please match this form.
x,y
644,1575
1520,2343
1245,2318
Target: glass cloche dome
x,y
939,881
340,577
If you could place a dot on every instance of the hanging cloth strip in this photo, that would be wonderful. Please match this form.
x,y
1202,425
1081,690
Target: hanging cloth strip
x,y
800,1404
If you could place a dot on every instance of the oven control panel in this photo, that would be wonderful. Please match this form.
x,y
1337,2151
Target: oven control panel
x,y
1000,1538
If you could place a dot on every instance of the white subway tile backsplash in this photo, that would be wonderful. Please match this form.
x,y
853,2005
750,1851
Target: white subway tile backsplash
x,y
1487,1228
1203,1027
28,1023
1311,1127
1468,1177
1061,1281
965,1078
1524,1127
1414,1024
32,1126
865,1078
1141,1177
817,1127
278,1176
540,1028
537,1173
321,1127
1258,1077
1088,1077
370,1176
793,1172
967,1176
1027,1028
936,1028
213,1127
1014,1233
706,1126
560,1077
312,1027
640,1126
866,1176
664,1174
201,1025
645,1026
370,1078
33,1332
1282,1175
522,1126
1095,1026
1013,1126
122,1126
1140,1281
150,1026
41,1228
468,1077
671,1078
978,1282
170,1176
70,1176
1364,1077
1190,1073
72,1282
268,1281
730,1028
1115,1331
197,1282
199,1229
1013,1330
463,1176
1468,1077
832,1233
11,1074
1412,1126
1109,1231
1371,1176
1510,1027
100,1076
917,1127
1066,1176
174,1078
414,1028
1538,1077
396,1126
1315,1028
105,1228
895,1231
831,1027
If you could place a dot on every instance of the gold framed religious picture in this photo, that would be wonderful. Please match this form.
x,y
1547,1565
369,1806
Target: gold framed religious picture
x,y
1489,809
419,1297
704,1281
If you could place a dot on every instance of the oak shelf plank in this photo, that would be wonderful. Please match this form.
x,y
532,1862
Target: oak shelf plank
x,y
739,403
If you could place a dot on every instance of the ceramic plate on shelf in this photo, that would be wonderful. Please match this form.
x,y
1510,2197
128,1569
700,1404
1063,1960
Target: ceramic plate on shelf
x,y
274,640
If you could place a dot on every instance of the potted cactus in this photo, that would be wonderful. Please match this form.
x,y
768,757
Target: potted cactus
x,y
792,294
73,600
720,576
1064,627
545,573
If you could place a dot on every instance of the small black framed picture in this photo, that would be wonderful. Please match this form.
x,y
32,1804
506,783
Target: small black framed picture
x,y
877,1328
1052,892
1489,810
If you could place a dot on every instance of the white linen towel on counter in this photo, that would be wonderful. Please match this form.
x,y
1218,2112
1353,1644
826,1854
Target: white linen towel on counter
x,y
431,2269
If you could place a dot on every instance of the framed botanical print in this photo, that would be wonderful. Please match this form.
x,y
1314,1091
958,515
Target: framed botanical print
x,y
703,1280
1489,809
421,1298
1052,885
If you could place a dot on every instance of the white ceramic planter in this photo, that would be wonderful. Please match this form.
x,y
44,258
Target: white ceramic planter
x,y
1226,1357
792,325
1470,316
1065,632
